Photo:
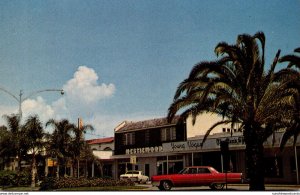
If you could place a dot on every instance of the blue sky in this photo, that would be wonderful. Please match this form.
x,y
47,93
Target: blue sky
x,y
122,59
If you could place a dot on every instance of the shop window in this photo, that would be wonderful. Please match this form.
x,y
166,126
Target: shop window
x,y
129,139
168,134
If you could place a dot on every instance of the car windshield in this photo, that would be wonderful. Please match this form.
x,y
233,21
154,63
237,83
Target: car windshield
x,y
132,172
213,169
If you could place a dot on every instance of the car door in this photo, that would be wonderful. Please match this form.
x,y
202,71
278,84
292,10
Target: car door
x,y
185,178
190,176
203,177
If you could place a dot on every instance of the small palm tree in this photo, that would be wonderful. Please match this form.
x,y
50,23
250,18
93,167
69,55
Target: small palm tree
x,y
59,141
237,88
34,133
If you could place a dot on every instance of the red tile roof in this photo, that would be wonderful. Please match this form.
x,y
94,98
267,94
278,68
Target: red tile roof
x,y
148,124
101,140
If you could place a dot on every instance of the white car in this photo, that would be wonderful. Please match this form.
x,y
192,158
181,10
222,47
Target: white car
x,y
135,176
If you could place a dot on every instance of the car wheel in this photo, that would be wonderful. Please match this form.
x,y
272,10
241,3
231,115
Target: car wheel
x,y
217,186
166,185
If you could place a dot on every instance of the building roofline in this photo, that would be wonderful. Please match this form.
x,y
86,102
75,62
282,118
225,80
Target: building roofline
x,y
128,126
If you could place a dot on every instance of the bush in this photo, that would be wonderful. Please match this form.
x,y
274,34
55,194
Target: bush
x,y
12,178
8,178
24,178
48,184
53,183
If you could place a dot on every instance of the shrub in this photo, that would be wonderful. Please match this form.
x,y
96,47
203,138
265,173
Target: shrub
x,y
8,178
24,178
67,182
12,178
49,183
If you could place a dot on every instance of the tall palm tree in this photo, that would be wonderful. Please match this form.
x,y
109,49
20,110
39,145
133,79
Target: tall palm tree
x,y
78,143
59,140
236,87
34,133
15,138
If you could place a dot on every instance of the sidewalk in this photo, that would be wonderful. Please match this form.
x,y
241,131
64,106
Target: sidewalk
x,y
268,187
230,187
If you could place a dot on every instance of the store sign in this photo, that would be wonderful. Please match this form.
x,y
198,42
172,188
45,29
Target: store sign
x,y
193,145
232,141
182,146
144,150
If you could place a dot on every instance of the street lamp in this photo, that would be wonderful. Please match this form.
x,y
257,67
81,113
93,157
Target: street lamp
x,y
21,99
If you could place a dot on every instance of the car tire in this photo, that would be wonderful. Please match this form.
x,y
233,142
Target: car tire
x,y
165,185
217,186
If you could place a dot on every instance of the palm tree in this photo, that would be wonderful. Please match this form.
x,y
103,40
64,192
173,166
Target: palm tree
x,y
5,149
15,138
78,143
293,129
59,141
34,133
237,88
292,59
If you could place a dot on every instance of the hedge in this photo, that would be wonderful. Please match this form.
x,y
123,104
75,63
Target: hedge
x,y
13,178
69,182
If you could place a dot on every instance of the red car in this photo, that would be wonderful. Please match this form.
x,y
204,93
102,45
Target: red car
x,y
196,176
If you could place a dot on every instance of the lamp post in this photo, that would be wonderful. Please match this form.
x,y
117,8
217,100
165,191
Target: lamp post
x,y
21,99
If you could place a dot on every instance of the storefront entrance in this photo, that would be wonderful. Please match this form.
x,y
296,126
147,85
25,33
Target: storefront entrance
x,y
169,165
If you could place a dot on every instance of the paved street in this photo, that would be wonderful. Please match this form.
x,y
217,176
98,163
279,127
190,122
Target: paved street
x,y
236,187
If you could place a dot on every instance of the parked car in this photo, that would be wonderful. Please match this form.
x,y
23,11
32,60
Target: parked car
x,y
135,176
196,176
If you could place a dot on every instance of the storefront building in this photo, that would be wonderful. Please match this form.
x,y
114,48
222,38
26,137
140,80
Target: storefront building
x,y
157,147
138,146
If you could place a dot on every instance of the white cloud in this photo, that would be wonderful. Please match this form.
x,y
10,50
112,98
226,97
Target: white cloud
x,y
84,87
37,106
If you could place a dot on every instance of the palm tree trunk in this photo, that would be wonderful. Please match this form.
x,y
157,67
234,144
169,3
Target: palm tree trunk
x,y
78,168
33,171
254,159
57,168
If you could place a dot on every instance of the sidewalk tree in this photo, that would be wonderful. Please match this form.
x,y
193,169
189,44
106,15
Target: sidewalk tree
x,y
15,138
59,141
237,87
34,133
78,143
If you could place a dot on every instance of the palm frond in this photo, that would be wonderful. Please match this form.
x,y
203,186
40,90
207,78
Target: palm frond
x,y
213,127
